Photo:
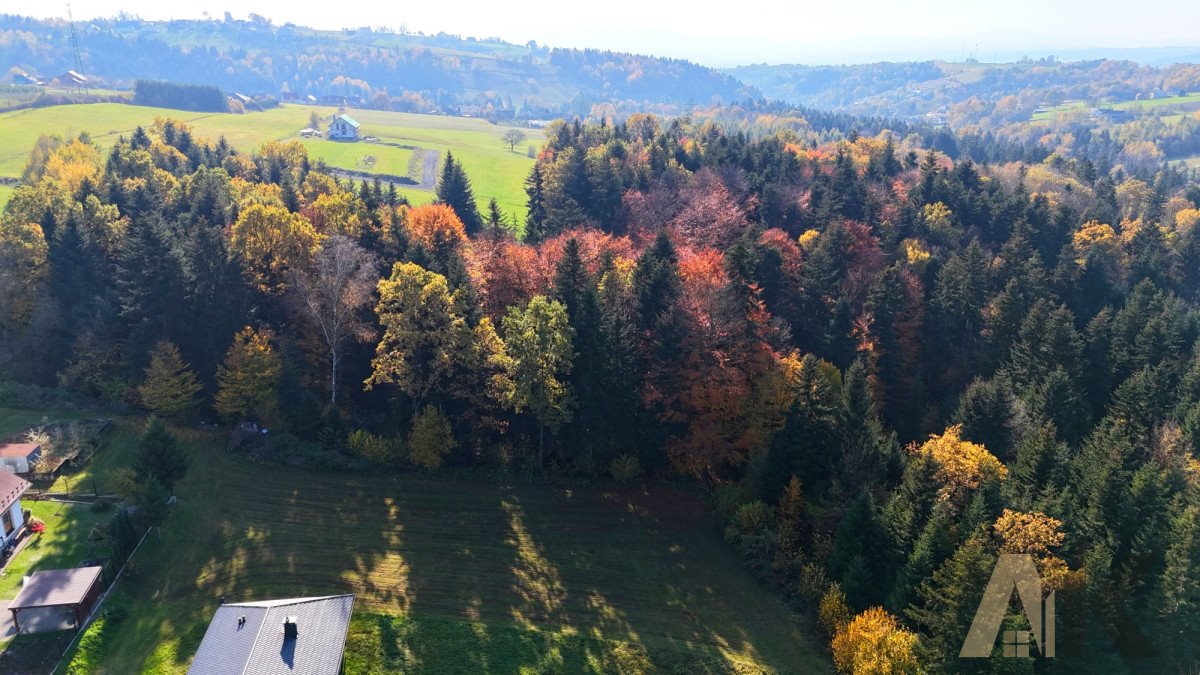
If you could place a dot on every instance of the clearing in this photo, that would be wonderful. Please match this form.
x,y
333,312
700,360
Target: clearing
x,y
452,576
495,171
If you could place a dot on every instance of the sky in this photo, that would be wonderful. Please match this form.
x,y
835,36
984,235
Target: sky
x,y
738,32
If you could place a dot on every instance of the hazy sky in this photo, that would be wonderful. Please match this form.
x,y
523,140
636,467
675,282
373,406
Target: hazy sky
x,y
735,32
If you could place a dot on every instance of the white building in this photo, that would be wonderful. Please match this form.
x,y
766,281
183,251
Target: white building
x,y
343,128
11,517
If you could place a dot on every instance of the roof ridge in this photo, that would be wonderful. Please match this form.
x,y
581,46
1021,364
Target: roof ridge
x,y
286,602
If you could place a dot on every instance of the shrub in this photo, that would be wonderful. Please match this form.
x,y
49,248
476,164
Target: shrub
x,y
374,448
751,518
750,532
833,612
729,498
431,439
626,468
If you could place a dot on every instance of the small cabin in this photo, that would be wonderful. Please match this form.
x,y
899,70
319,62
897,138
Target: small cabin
x,y
342,128
19,457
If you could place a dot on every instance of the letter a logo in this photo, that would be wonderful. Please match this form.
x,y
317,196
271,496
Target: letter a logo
x,y
1012,571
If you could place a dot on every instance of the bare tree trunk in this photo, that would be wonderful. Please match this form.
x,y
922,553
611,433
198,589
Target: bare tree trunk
x,y
333,378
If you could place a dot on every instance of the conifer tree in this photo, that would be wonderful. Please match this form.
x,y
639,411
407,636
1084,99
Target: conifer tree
x,y
248,380
170,387
454,190
535,219
159,456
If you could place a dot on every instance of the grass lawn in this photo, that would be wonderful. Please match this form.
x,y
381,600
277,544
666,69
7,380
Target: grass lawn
x,y
63,544
6,193
451,576
494,170
14,420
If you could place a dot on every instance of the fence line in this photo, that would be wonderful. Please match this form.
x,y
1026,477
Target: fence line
x,y
99,602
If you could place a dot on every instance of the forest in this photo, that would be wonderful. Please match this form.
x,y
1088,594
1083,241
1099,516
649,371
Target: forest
x,y
378,68
885,366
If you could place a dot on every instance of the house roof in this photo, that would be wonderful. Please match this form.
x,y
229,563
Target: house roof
x,y
258,645
51,588
11,489
348,120
18,449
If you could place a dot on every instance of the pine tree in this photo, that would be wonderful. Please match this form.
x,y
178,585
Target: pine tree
x,y
535,219
858,562
170,387
248,380
496,227
159,456
454,190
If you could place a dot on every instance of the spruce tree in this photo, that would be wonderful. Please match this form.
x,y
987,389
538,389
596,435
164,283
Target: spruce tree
x,y
454,190
159,455
535,219
170,387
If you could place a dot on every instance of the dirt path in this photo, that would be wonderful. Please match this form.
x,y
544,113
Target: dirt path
x,y
429,170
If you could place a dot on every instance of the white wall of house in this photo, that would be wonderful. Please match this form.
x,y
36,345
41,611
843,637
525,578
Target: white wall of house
x,y
340,129
18,519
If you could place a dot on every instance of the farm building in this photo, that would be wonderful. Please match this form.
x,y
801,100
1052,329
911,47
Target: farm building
x,y
19,457
12,487
23,78
343,127
1110,115
73,78
55,599
294,635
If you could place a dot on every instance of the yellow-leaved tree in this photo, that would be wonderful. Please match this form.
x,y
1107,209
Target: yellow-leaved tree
x,y
1037,534
874,643
962,465
271,241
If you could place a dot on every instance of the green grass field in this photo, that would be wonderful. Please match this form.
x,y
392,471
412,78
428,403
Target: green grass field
x,y
1071,106
494,170
63,544
6,193
451,576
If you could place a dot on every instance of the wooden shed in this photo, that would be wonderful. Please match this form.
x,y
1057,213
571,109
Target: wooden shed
x,y
55,599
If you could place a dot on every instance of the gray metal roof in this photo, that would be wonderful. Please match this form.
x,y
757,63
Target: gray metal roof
x,y
11,489
258,646
56,587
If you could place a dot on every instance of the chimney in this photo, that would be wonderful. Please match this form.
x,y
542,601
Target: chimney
x,y
289,628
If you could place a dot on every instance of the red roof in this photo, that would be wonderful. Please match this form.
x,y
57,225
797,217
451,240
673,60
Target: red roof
x,y
18,449
12,487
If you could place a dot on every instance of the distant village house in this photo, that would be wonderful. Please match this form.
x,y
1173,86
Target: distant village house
x,y
342,128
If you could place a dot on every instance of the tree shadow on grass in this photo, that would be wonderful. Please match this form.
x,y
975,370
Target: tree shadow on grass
x,y
456,576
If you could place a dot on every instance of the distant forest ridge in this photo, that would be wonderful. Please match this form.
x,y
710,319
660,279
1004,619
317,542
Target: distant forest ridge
x,y
369,67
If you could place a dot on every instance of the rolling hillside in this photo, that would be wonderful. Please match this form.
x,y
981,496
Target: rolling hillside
x,y
494,169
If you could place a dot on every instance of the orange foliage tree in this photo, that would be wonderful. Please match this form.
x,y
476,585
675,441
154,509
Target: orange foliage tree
x,y
874,643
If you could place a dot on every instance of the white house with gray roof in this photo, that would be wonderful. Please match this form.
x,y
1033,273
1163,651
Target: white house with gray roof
x,y
276,637
342,128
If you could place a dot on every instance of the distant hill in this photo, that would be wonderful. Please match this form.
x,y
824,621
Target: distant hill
x,y
412,73
967,93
